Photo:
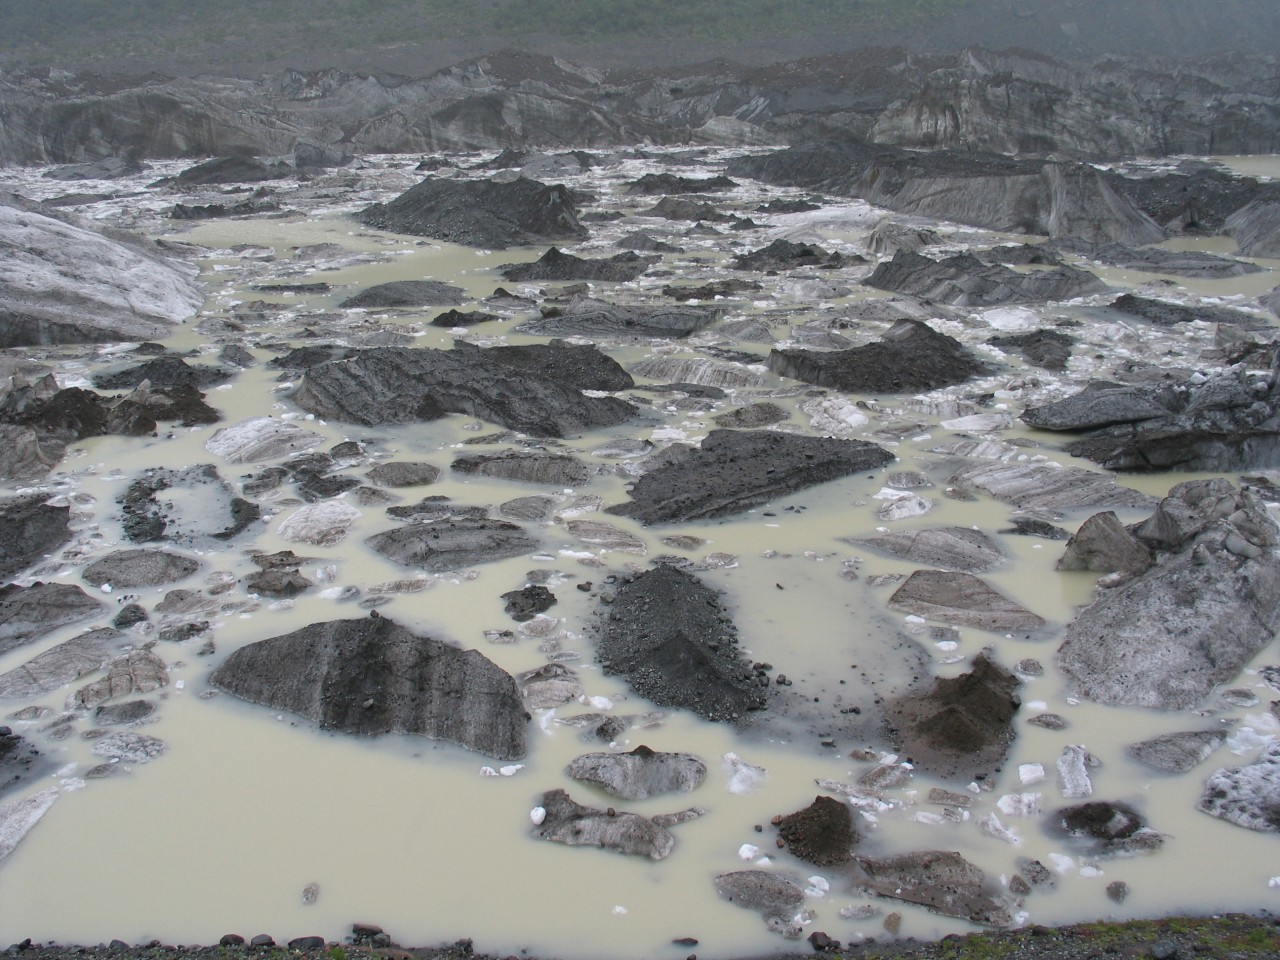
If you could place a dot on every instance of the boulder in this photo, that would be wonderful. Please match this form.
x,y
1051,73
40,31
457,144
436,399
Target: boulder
x,y
1107,829
764,414
59,665
406,293
525,604
749,468
887,238
1247,796
27,613
1166,638
30,455
560,469
233,169
404,473
1103,545
1047,486
640,774
963,280
1177,752
261,438
138,671
549,686
452,543
605,536
953,548
963,600
501,385
322,524
557,265
19,816
130,747
1163,313
120,714
959,727
783,255
63,282
941,881
712,290
1180,263
29,529
1223,423
669,635
565,821
460,318
822,833
588,317
1256,228
481,213
130,569
911,357
768,894
165,371
1048,349
373,676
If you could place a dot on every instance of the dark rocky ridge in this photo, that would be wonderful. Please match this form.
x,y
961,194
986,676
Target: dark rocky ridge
x,y
751,467
537,389
997,101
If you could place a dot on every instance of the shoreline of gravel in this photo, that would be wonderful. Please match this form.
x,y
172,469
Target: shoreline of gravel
x,y
1228,936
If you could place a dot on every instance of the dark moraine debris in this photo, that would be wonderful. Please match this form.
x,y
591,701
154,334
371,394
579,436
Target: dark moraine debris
x,y
668,633
959,727
1272,301
407,293
642,242
729,287
640,773
910,357
558,265
526,603
452,543
373,676
942,881
481,213
30,456
963,600
954,548
1048,349
964,280
1162,313
735,470
166,371
233,169
204,513
538,392
657,183
1204,609
560,469
30,612
822,833
588,317
1107,828
460,318
29,529
1225,423
783,255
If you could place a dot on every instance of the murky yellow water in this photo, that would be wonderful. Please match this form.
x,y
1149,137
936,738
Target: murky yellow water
x,y
248,807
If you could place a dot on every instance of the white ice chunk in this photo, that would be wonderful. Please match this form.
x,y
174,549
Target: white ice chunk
x,y
1030,773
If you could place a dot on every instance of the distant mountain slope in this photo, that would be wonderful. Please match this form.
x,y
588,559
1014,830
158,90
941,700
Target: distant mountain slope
x,y
249,37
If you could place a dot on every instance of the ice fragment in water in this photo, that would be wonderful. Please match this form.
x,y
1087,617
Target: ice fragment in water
x,y
537,815
1030,773
748,851
743,777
